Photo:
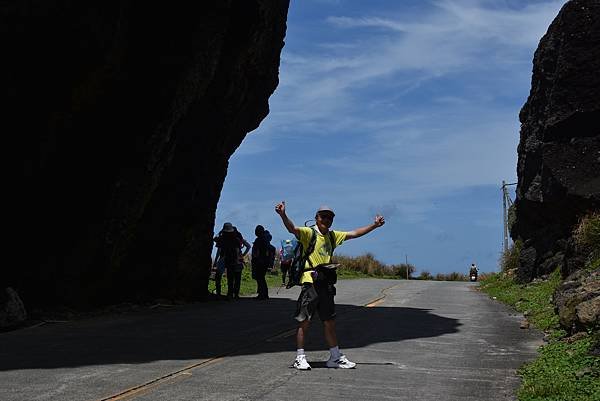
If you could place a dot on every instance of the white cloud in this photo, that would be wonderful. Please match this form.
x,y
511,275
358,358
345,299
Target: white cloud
x,y
456,37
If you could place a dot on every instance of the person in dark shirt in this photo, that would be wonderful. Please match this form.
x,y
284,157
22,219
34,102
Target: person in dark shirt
x,y
263,256
229,257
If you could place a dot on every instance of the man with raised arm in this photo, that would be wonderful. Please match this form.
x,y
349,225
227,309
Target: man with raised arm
x,y
318,290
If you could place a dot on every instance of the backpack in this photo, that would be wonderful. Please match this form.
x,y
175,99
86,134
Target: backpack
x,y
271,256
260,253
229,247
298,265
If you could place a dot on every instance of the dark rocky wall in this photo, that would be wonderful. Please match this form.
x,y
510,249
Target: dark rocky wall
x,y
559,150
122,116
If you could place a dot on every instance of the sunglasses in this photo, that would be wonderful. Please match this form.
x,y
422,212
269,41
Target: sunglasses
x,y
326,216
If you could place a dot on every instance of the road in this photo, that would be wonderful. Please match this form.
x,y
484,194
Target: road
x,y
412,340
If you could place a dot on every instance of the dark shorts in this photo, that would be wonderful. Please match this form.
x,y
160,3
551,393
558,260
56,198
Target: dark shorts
x,y
315,298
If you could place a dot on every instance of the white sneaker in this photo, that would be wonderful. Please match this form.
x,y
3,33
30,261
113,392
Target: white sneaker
x,y
342,362
301,363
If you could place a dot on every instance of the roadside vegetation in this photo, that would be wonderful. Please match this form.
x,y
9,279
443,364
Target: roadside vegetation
x,y
587,236
368,266
364,266
568,368
352,267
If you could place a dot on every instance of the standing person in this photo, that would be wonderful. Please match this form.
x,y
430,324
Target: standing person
x,y
317,295
227,254
228,258
260,261
234,280
287,255
271,252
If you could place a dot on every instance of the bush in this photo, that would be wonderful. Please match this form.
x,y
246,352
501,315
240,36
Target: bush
x,y
367,264
587,233
400,270
425,275
454,276
509,260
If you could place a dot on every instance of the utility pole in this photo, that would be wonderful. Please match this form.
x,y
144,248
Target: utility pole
x,y
406,256
506,204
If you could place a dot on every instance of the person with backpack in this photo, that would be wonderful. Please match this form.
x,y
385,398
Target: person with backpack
x,y
229,244
263,255
271,251
317,280
239,266
287,255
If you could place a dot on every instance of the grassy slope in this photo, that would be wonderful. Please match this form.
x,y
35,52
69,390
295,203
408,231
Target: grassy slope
x,y
564,370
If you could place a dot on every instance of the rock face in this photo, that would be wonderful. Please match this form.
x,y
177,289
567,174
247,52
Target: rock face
x,y
123,117
559,149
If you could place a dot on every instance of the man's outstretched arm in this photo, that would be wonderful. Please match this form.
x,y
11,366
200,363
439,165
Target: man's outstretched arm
x,y
289,224
359,232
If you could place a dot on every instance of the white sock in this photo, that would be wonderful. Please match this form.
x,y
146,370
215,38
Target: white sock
x,y
300,352
335,352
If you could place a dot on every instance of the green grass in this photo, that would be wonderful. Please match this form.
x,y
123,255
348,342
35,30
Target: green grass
x,y
594,264
509,260
587,233
533,298
564,370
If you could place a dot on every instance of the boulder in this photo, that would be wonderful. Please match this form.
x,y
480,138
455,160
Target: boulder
x,y
588,312
577,301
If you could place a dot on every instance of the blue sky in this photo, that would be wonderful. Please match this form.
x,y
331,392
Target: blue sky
x,y
404,108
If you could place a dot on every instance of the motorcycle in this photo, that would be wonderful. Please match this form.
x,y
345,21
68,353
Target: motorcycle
x,y
473,277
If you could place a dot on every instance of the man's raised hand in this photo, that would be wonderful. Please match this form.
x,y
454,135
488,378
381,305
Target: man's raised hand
x,y
379,221
280,208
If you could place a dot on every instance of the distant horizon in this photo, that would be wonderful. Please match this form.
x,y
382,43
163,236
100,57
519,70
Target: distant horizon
x,y
408,109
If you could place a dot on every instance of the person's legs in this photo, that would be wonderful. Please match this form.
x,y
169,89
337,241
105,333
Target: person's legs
x,y
218,283
265,286
305,307
326,308
284,269
301,333
230,282
330,334
256,277
300,362
263,290
237,283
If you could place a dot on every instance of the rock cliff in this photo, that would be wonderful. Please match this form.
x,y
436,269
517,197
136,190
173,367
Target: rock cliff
x,y
123,116
559,161
559,150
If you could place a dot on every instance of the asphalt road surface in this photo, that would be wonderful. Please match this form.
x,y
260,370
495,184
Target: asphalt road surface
x,y
412,340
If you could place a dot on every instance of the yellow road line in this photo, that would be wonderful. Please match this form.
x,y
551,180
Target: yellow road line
x,y
375,302
379,300
174,376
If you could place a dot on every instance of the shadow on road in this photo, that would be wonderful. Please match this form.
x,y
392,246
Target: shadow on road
x,y
207,330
